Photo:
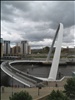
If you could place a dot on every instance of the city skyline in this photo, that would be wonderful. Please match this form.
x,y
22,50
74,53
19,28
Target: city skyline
x,y
22,48
37,21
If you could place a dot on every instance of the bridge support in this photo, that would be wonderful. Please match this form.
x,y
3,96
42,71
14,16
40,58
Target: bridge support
x,y
56,58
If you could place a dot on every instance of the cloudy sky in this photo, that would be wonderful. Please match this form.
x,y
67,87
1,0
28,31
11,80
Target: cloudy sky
x,y
37,21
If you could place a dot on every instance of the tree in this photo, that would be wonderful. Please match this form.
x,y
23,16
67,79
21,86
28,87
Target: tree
x,y
57,95
46,49
21,96
70,88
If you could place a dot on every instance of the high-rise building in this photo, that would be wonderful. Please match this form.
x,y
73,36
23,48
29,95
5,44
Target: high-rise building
x,y
1,46
6,47
24,47
15,50
29,49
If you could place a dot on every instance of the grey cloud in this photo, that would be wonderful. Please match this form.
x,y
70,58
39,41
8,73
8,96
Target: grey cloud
x,y
18,4
69,38
39,35
21,5
36,33
6,13
60,12
47,13
7,18
8,9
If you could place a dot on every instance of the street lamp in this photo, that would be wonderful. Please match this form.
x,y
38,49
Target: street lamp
x,y
39,86
12,85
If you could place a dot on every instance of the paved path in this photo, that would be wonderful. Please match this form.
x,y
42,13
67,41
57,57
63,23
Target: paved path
x,y
24,79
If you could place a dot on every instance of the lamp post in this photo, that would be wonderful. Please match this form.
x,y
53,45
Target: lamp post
x,y
38,91
39,87
12,85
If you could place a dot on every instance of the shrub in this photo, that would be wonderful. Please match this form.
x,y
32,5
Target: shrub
x,y
57,95
21,96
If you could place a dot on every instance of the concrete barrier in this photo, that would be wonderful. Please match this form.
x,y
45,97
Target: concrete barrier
x,y
43,97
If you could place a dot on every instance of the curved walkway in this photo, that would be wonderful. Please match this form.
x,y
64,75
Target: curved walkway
x,y
20,76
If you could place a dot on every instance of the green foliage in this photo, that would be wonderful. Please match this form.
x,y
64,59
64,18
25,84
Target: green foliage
x,y
21,96
46,49
70,88
57,95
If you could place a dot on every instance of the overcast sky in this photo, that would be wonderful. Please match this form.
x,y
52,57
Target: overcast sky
x,y
37,21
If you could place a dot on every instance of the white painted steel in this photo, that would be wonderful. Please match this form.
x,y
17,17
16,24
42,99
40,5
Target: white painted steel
x,y
55,63
51,48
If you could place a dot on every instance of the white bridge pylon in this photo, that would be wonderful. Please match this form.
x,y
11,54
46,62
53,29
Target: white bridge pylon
x,y
56,58
55,63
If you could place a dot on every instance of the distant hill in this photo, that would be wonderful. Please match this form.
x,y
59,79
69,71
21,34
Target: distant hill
x,y
46,50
